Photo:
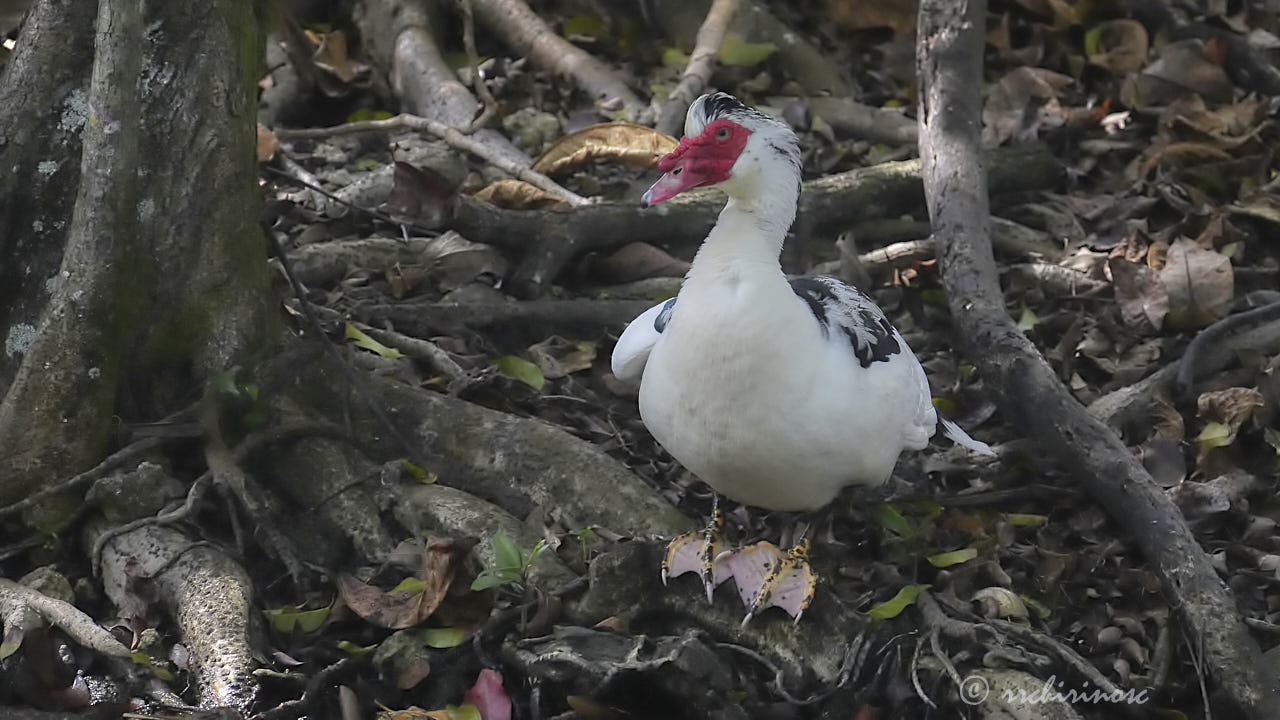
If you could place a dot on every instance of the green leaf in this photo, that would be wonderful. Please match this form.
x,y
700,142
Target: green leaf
x,y
364,341
1026,519
522,370
506,555
888,517
955,557
366,114
225,381
141,658
737,52
355,650
534,553
1215,434
409,586
583,26
674,58
12,641
424,476
486,579
293,618
1093,40
894,606
1272,436
1028,321
444,637
465,712
1041,610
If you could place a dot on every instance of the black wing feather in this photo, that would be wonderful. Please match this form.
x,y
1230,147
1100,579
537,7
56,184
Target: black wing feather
x,y
844,307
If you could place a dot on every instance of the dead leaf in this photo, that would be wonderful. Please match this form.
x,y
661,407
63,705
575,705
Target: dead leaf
x,y
267,144
1230,406
619,141
1197,499
331,56
401,609
1143,299
557,357
420,196
1023,101
1183,67
516,195
1118,45
634,261
1200,285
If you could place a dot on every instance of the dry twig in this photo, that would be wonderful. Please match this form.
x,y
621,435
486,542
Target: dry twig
x,y
698,72
449,135
949,58
473,58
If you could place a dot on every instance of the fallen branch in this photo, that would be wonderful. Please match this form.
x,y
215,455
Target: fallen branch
x,y
1214,334
449,135
701,63
526,33
550,238
865,122
17,600
530,317
949,59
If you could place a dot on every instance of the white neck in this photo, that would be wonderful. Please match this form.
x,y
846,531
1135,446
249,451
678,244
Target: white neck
x,y
753,225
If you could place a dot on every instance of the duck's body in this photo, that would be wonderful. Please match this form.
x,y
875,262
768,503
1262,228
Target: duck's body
x,y
775,393
761,400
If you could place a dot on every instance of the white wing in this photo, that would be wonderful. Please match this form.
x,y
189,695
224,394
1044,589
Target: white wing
x,y
632,351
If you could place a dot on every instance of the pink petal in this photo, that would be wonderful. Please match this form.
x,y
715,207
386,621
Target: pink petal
x,y
489,697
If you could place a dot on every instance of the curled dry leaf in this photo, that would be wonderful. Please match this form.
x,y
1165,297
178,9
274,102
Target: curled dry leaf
x,y
420,196
516,195
1142,297
440,562
557,357
332,57
1024,101
1230,407
1118,45
1000,602
619,141
1183,67
1200,285
634,261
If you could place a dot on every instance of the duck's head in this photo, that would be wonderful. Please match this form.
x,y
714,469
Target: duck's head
x,y
728,144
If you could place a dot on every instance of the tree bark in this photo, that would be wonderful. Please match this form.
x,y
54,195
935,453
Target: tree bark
x,y
949,58
139,280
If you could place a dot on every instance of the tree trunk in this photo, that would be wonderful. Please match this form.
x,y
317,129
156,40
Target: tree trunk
x,y
137,271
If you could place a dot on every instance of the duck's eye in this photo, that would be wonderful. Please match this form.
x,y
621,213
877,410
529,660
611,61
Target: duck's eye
x,y
723,133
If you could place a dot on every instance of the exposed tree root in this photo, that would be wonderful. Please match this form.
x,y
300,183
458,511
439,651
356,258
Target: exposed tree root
x,y
400,40
209,596
866,122
527,34
701,63
549,239
949,57
20,605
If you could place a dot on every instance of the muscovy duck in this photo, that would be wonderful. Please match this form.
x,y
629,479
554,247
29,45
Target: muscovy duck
x,y
775,393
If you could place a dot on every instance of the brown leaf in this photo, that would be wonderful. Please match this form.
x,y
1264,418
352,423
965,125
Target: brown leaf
x,y
1200,285
1119,46
516,195
440,560
1022,102
619,141
635,261
267,144
1182,68
557,357
331,56
420,196
1230,406
1142,297
864,14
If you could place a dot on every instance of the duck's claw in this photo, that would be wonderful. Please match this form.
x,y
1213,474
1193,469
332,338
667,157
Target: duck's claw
x,y
703,552
768,577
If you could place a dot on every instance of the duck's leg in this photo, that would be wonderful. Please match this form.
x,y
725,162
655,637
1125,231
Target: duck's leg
x,y
704,552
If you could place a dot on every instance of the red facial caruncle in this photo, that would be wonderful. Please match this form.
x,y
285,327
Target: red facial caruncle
x,y
697,161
